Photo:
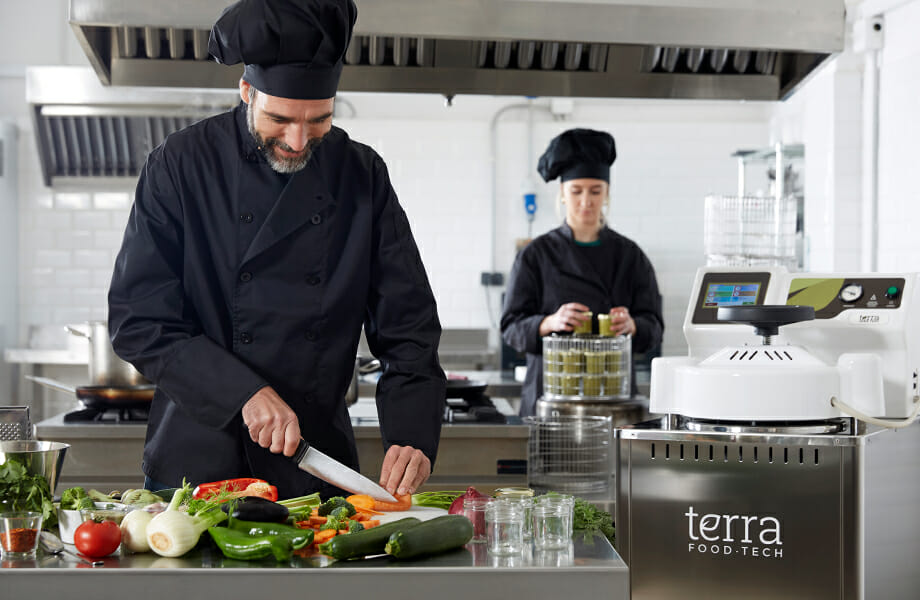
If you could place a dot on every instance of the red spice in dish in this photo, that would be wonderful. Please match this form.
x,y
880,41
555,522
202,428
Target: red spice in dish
x,y
19,540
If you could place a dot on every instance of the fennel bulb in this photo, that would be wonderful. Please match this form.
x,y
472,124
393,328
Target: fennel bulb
x,y
174,532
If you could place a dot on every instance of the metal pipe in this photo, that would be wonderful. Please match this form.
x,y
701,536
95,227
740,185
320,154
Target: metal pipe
x,y
493,152
779,181
870,160
493,177
741,174
529,161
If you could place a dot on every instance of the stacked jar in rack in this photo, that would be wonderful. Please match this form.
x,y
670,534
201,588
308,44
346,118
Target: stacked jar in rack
x,y
583,366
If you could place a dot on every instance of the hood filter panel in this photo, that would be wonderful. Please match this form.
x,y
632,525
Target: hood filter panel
x,y
76,146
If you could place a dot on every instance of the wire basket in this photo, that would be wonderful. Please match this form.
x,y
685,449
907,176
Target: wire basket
x,y
570,454
587,367
749,230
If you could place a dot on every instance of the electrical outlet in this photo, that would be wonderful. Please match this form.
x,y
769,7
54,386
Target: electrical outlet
x,y
489,278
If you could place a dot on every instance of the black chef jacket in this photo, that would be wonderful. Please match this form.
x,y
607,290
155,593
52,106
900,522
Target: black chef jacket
x,y
232,277
552,271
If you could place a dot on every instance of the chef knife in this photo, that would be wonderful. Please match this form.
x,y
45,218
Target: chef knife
x,y
330,470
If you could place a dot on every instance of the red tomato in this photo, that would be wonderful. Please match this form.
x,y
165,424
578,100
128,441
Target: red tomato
x,y
96,540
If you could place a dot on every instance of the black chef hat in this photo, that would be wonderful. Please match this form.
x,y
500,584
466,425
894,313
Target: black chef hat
x,y
578,153
291,48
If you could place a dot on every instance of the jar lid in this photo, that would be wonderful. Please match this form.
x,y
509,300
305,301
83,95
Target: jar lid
x,y
514,491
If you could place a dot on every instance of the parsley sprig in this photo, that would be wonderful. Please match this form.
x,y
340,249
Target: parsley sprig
x,y
589,519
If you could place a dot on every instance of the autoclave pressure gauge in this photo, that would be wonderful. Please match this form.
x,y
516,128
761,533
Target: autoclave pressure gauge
x,y
851,292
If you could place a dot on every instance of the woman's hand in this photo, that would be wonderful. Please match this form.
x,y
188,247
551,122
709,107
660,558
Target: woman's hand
x,y
566,318
620,321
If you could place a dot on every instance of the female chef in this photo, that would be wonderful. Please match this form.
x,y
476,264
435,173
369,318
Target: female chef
x,y
580,266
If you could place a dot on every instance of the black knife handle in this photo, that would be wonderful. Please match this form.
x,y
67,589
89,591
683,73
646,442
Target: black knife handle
x,y
302,448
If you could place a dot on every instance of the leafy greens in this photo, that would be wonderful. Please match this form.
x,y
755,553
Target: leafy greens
x,y
589,519
23,491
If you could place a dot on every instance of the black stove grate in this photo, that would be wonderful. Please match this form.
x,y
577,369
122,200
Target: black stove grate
x,y
107,415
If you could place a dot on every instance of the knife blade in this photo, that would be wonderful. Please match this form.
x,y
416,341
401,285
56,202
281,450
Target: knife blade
x,y
328,469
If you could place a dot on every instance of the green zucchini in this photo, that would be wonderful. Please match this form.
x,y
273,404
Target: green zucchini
x,y
367,542
431,537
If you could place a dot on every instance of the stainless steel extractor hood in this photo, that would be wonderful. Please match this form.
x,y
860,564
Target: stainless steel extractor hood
x,y
85,130
699,49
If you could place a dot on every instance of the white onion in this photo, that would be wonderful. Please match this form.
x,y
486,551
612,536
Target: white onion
x,y
134,530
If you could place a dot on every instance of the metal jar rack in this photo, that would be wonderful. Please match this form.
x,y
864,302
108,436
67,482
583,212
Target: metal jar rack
x,y
587,367
570,454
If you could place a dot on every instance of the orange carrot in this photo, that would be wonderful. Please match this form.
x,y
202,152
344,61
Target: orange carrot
x,y
360,516
403,502
361,501
324,536
315,521
370,523
341,531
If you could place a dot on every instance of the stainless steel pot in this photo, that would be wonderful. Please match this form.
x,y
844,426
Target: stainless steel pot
x,y
351,394
105,367
621,413
363,366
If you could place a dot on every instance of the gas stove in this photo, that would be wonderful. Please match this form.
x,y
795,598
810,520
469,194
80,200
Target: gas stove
x,y
472,409
108,415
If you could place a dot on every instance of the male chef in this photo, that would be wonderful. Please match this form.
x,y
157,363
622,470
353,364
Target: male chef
x,y
259,243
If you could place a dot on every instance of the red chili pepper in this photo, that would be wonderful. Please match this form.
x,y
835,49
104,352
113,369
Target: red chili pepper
x,y
244,486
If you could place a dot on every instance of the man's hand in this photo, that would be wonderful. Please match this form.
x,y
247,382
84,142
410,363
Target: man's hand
x,y
404,470
566,318
271,422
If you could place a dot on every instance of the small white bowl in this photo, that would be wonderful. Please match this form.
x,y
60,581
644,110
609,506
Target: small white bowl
x,y
69,520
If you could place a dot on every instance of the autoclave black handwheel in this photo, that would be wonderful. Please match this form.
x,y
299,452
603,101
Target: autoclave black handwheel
x,y
767,318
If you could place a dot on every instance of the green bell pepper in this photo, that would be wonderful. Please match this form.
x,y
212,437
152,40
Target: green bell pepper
x,y
297,538
242,546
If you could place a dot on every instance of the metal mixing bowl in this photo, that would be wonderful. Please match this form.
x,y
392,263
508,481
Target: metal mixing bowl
x,y
39,458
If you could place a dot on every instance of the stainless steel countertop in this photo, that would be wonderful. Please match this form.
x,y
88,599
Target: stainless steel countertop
x,y
587,569
500,384
364,428
62,356
46,357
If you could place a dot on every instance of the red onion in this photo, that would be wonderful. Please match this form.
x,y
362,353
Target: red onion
x,y
456,507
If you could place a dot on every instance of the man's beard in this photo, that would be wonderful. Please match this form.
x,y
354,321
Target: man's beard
x,y
280,164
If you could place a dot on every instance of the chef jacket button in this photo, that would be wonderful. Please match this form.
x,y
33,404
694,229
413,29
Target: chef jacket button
x,y
246,218
316,219
309,335
245,338
245,276
313,280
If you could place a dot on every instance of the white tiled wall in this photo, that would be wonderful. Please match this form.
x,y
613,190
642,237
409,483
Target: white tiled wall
x,y
899,131
828,115
671,154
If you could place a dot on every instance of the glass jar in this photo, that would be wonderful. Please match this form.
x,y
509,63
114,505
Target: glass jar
x,y
505,526
525,504
565,506
474,509
603,326
19,533
584,328
549,527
